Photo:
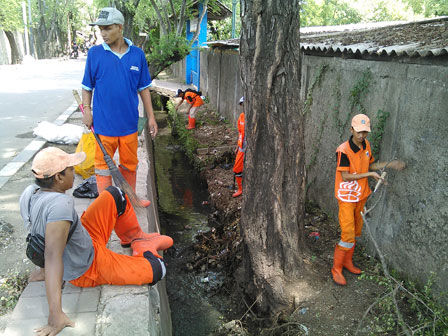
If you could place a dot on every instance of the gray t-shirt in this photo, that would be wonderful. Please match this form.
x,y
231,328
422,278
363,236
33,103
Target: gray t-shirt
x,y
39,207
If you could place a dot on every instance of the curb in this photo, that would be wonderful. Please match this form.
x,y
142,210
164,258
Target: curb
x,y
29,151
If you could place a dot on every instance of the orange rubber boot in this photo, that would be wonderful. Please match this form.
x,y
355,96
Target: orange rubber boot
x,y
128,229
191,123
154,244
338,261
348,262
102,182
239,181
131,178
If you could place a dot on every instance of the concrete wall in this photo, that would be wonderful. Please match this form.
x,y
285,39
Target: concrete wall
x,y
410,221
160,313
178,71
221,81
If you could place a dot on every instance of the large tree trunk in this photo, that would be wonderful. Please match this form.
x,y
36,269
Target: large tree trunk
x,y
15,56
128,12
274,170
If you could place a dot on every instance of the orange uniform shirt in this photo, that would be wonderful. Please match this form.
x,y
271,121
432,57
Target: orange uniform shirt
x,y
193,99
360,160
240,125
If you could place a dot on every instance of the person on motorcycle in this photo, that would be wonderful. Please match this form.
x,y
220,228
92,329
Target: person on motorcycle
x,y
74,50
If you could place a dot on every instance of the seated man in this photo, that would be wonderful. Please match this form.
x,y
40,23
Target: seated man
x,y
75,248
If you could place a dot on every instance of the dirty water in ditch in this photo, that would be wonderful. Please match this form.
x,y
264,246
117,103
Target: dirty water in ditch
x,y
183,212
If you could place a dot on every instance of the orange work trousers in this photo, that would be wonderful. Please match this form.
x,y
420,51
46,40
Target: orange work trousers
x,y
239,163
350,221
127,150
107,266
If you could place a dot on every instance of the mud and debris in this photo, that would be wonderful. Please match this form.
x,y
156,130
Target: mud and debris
x,y
332,309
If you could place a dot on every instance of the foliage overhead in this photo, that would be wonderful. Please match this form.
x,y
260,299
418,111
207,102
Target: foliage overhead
x,y
162,23
11,15
337,12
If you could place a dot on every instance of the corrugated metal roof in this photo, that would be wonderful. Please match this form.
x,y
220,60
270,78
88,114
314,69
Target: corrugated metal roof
x,y
413,39
232,43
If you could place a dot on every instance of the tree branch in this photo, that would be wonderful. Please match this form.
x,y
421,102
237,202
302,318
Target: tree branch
x,y
198,26
173,10
166,17
159,15
401,323
181,18
368,310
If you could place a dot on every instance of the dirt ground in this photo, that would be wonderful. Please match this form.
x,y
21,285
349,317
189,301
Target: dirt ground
x,y
328,309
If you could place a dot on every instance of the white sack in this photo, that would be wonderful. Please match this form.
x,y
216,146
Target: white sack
x,y
67,134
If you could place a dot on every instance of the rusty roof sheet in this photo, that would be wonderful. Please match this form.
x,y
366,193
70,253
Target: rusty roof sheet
x,y
413,39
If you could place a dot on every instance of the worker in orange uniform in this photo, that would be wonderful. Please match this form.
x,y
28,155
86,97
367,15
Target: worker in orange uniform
x,y
241,148
193,98
355,164
75,249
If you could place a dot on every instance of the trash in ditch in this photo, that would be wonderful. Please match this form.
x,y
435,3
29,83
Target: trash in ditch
x,y
315,235
303,311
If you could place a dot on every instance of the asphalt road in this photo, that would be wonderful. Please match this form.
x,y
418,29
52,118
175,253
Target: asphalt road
x,y
30,93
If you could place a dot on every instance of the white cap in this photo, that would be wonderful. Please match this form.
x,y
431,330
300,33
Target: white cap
x,y
242,100
109,16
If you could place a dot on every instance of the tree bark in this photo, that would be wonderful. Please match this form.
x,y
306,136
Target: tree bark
x,y
15,56
128,12
274,169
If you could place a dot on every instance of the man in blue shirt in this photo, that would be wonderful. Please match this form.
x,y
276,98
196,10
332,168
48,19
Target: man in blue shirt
x,y
116,73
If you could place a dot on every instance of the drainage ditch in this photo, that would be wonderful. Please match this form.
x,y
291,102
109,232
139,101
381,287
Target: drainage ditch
x,y
196,308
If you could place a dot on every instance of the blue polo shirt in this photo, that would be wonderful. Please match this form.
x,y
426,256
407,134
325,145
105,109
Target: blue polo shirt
x,y
115,80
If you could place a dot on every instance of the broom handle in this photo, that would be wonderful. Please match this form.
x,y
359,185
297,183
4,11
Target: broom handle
x,y
80,104
118,178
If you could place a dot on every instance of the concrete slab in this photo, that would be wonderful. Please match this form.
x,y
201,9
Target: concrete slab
x,y
85,325
34,289
37,306
121,313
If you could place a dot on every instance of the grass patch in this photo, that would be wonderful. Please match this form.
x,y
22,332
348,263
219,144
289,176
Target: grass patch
x,y
421,312
11,287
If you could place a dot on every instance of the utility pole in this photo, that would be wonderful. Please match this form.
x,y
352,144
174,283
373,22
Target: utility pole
x,y
233,17
27,42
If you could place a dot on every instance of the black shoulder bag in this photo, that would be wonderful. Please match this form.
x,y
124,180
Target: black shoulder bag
x,y
35,249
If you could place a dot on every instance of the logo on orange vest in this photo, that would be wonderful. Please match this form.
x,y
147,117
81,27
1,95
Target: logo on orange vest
x,y
367,153
349,191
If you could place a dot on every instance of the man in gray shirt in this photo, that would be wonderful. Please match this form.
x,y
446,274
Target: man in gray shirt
x,y
75,248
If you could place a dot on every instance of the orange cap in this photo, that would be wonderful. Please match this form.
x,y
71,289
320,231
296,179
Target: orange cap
x,y
361,123
52,160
